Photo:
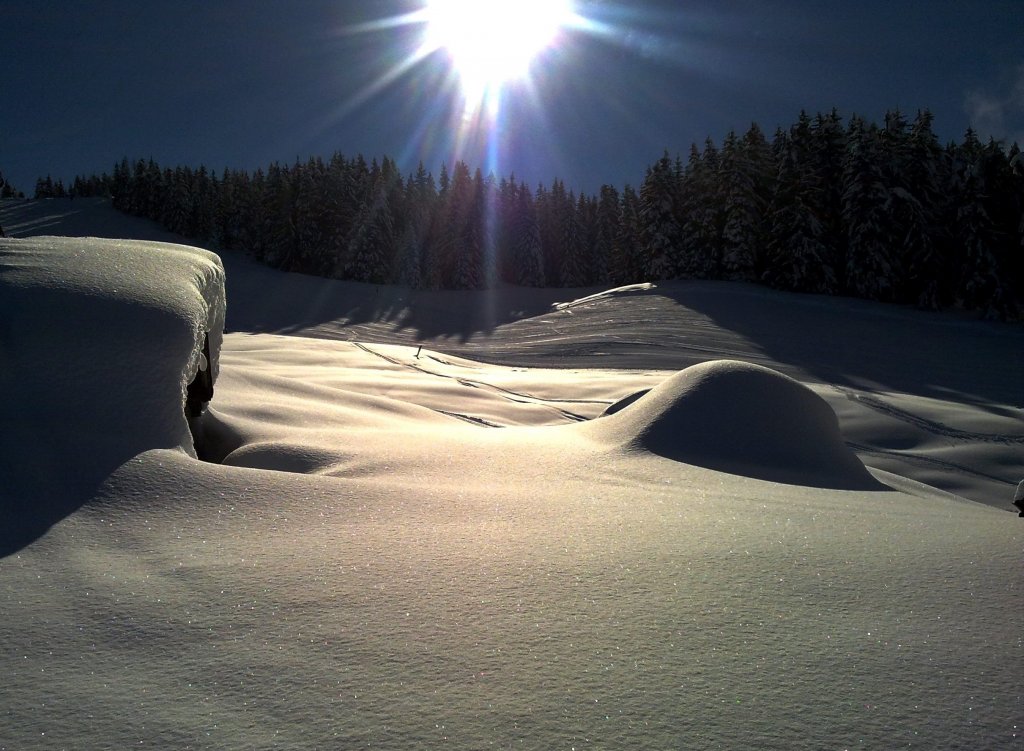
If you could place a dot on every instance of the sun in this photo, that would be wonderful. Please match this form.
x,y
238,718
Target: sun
x,y
492,42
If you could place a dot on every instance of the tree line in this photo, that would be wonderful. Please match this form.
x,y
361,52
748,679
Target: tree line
x,y
881,212
7,189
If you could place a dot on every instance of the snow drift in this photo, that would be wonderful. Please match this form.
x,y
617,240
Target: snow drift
x,y
100,339
739,418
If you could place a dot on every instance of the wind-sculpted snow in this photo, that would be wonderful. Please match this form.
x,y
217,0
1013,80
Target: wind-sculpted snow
x,y
740,418
99,339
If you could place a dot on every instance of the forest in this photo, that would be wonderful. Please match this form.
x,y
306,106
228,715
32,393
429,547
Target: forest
x,y
880,212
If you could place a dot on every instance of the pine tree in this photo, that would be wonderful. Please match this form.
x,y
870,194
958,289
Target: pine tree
x,y
744,172
606,233
456,213
308,253
869,264
470,272
573,272
278,230
120,185
372,244
178,207
528,260
826,158
226,233
251,234
660,233
922,173
626,263
6,189
419,202
701,215
982,284
553,209
1015,230
797,258
204,192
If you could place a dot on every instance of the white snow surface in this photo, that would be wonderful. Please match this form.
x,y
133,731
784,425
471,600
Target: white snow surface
x,y
464,520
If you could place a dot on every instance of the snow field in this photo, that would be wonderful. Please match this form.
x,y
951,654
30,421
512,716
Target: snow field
x,y
465,554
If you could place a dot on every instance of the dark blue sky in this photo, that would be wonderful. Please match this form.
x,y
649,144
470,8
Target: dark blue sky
x,y
238,83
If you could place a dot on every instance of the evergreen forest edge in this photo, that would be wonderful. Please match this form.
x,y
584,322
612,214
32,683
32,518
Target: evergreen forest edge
x,y
882,213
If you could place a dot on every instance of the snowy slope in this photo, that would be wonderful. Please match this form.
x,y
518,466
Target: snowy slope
x,y
406,547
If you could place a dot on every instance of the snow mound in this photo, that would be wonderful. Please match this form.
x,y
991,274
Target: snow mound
x,y
99,340
283,456
739,418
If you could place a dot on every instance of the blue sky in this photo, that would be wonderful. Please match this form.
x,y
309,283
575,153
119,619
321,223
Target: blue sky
x,y
239,84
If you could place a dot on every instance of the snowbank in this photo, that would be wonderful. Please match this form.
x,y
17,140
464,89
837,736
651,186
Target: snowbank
x,y
100,339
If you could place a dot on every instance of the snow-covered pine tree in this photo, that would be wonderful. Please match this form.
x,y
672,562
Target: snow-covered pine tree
x,y
473,235
606,232
528,260
278,226
419,202
250,204
573,272
458,198
552,209
504,219
869,264
744,172
827,146
1015,265
921,173
982,284
372,244
626,263
410,248
178,206
309,251
438,238
660,231
797,259
700,215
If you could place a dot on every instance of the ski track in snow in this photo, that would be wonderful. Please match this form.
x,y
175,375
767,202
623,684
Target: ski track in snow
x,y
927,461
930,426
512,396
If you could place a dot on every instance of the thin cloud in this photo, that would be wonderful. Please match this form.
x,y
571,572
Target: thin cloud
x,y
999,114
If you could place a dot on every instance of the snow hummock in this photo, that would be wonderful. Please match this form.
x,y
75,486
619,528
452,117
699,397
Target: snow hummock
x,y
743,419
408,545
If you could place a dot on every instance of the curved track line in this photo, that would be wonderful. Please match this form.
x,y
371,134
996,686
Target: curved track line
x,y
930,426
512,396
